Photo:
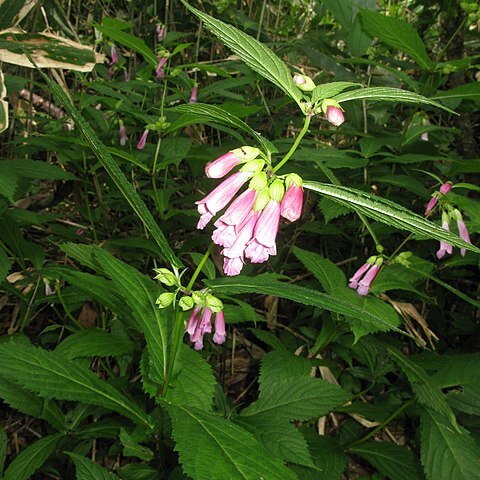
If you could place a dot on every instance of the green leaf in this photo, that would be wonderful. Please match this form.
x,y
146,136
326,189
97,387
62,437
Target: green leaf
x,y
221,449
49,51
469,91
205,113
131,448
329,90
56,377
4,264
30,404
397,34
104,157
195,384
111,30
305,296
445,452
35,169
394,461
88,470
284,365
296,398
31,458
256,55
94,343
388,94
387,212
3,449
13,11
8,183
325,271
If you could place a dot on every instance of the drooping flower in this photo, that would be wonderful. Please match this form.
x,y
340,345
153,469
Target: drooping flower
x,y
220,334
126,75
333,112
200,323
445,188
160,32
122,134
203,326
48,288
114,55
462,230
292,201
444,246
159,70
218,198
143,140
431,204
222,165
365,275
353,282
365,283
193,95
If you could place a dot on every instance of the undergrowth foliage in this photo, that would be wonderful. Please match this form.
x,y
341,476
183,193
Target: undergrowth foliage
x,y
239,244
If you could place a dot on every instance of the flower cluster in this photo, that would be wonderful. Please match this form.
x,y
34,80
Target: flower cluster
x,y
365,275
203,305
249,226
444,189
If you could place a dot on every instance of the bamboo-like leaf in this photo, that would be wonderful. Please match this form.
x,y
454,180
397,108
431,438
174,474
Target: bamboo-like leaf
x,y
387,212
256,55
388,94
48,49
113,170
56,377
13,11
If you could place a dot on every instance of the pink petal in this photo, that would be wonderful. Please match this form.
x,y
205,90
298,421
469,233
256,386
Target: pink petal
x,y
335,116
292,203
232,266
267,226
244,235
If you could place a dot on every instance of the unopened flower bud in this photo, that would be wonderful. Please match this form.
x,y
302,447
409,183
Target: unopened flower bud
x,y
193,95
198,297
214,303
333,112
165,276
186,303
114,55
304,83
445,188
276,190
165,299
122,134
143,140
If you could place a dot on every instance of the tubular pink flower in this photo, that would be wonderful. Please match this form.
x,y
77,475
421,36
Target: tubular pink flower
x,y
143,140
292,203
159,70
222,165
353,282
193,96
335,115
463,231
444,246
220,333
114,55
367,280
445,188
209,206
160,32
193,320
126,75
203,326
263,242
431,204
122,134
232,266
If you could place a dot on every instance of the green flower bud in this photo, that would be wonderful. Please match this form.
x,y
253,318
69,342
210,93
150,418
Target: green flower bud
x,y
371,260
198,297
304,83
186,303
246,153
165,299
166,277
328,102
293,178
262,199
259,181
276,190
214,303
253,166
379,261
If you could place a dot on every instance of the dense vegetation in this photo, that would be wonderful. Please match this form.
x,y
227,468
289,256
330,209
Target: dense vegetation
x,y
331,329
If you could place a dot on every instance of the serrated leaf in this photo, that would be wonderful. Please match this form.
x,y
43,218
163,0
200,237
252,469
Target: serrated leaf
x,y
221,449
31,458
325,271
256,55
194,386
93,343
56,377
386,211
131,448
305,296
88,470
296,398
397,34
205,113
279,437
30,404
283,365
388,94
49,50
445,452
396,462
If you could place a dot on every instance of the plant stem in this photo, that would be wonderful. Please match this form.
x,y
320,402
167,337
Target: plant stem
x,y
295,145
199,268
382,425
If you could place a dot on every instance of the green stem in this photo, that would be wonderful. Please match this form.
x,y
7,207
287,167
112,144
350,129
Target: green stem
x,y
382,425
199,268
67,311
295,145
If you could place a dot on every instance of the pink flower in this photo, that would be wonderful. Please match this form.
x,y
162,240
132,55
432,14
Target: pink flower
x,y
263,241
143,140
193,96
122,133
193,320
335,115
367,280
232,266
299,79
353,282
228,224
222,165
463,231
114,55
160,32
159,70
431,204
48,289
220,333
127,75
292,202
444,246
218,198
445,188
203,326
